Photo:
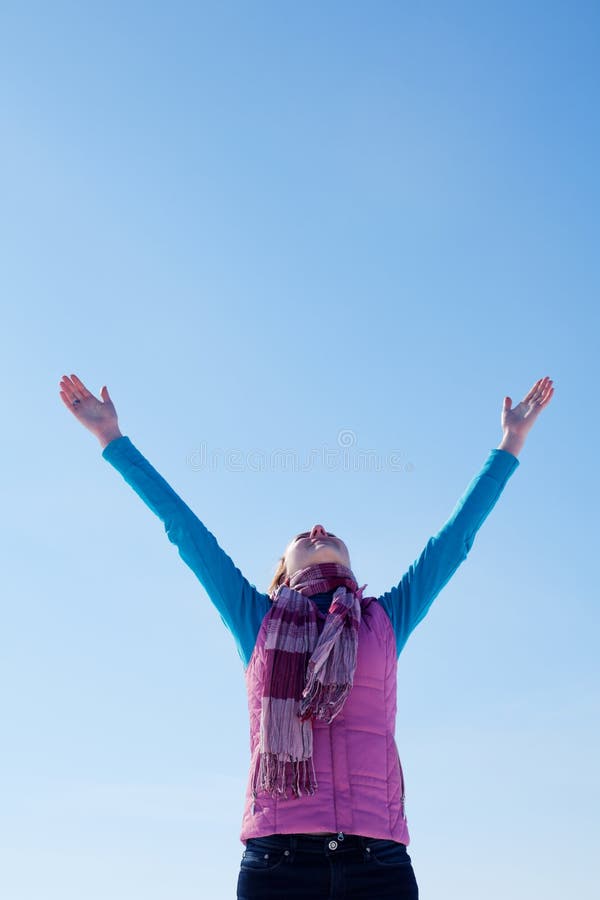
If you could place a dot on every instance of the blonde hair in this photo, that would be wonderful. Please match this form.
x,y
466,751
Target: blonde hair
x,y
278,577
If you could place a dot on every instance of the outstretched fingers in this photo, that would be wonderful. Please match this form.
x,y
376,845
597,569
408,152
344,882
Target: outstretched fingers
x,y
81,387
68,388
70,392
529,396
546,396
539,390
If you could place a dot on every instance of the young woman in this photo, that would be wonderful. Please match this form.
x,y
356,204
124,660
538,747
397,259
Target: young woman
x,y
324,814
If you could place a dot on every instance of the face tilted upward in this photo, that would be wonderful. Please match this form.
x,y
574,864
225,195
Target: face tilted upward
x,y
315,546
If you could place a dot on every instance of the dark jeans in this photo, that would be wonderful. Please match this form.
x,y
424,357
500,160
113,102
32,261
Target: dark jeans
x,y
319,867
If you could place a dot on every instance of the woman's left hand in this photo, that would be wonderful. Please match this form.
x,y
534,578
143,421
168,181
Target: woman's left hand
x,y
519,419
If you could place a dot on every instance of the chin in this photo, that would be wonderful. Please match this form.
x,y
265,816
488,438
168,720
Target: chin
x,y
331,559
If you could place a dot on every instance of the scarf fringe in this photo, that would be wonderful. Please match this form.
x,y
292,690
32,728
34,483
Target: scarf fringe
x,y
274,774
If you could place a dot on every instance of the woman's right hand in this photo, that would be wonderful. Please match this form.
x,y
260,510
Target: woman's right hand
x,y
98,416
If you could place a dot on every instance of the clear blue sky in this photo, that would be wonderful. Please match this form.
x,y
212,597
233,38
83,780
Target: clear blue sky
x,y
262,226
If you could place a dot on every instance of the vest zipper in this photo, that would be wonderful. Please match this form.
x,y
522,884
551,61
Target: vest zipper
x,y
402,798
333,781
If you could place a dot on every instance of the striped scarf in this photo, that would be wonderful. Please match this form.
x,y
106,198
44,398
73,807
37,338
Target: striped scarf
x,y
306,675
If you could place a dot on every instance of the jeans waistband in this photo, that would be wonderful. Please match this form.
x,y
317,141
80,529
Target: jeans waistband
x,y
332,844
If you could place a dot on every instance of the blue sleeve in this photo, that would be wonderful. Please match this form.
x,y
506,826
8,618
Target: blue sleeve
x,y
408,602
241,606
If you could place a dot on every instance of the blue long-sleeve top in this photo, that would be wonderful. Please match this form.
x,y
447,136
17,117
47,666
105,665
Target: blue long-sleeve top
x,y
242,606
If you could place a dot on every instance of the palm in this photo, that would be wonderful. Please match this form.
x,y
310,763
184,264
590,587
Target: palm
x,y
520,418
94,414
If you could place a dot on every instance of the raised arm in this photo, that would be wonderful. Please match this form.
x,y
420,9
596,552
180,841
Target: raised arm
x,y
409,601
240,605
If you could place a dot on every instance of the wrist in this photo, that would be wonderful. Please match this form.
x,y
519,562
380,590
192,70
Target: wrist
x,y
511,442
108,435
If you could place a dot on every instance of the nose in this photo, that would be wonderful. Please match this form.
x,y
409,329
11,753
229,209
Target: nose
x,y
317,531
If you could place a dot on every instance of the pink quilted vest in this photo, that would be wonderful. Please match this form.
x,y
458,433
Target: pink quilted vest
x,y
359,774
